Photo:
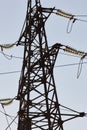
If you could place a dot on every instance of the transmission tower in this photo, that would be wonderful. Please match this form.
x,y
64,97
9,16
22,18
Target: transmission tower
x,y
39,106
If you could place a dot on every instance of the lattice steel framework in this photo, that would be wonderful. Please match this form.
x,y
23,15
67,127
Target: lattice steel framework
x,y
39,107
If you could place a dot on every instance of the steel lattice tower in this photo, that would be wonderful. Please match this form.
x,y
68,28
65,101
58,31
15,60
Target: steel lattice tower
x,y
39,106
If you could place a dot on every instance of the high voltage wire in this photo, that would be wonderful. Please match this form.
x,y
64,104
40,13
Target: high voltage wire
x,y
10,72
57,66
11,122
71,64
10,56
6,116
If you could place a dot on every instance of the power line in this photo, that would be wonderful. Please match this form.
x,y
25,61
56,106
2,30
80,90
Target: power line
x,y
6,116
11,123
9,72
71,64
57,66
10,56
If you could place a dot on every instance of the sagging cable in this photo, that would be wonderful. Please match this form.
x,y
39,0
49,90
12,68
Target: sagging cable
x,y
6,56
82,55
70,25
71,18
6,46
80,65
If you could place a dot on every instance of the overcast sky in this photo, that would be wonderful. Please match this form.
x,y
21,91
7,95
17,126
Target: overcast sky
x,y
72,92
